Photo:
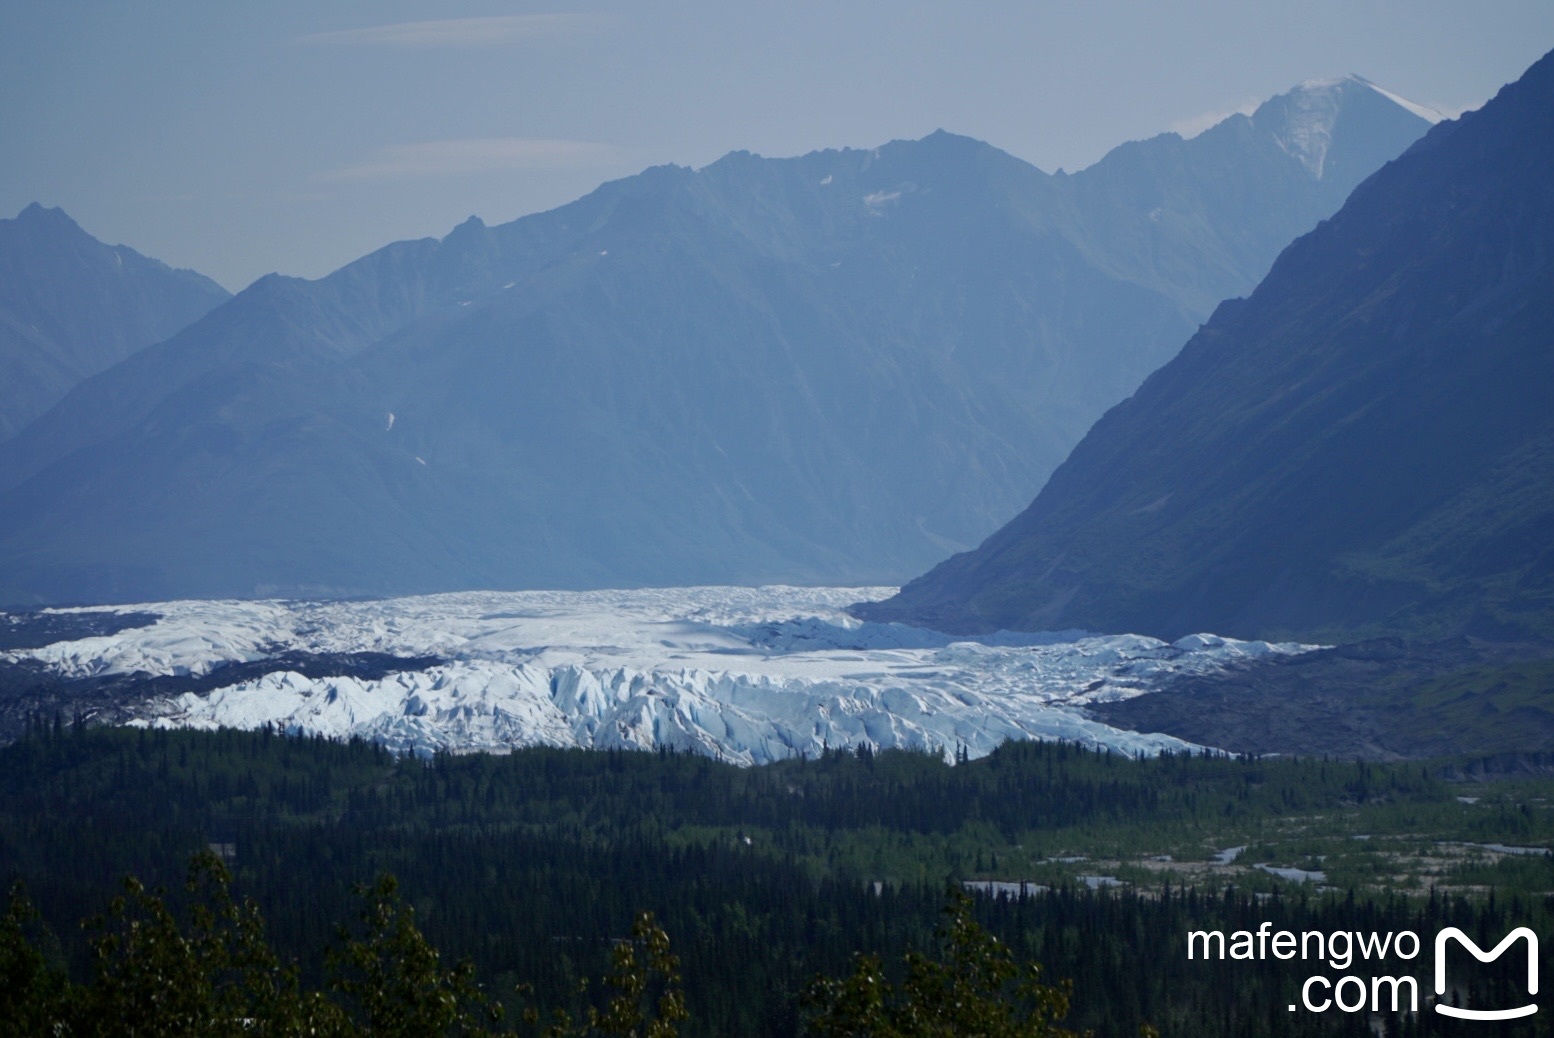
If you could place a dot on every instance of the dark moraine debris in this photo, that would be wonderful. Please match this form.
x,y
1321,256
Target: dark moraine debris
x,y
29,688
1377,700
35,629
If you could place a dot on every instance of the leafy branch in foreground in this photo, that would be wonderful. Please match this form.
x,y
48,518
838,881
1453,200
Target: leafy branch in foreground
x,y
33,996
633,1010
977,989
212,973
393,979
210,970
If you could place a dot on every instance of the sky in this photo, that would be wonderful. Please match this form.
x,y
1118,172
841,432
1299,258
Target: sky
x,y
240,139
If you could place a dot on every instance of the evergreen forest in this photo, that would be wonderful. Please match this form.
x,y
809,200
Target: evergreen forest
x,y
777,888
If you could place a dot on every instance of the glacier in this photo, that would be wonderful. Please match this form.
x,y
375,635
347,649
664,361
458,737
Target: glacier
x,y
747,675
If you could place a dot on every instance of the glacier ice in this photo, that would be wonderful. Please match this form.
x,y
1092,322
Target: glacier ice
x,y
749,675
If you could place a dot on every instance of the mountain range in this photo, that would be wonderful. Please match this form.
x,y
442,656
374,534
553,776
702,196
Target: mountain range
x,y
833,368
71,307
1363,447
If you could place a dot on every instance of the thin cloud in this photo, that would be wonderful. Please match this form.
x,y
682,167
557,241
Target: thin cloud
x,y
478,155
456,32
1191,127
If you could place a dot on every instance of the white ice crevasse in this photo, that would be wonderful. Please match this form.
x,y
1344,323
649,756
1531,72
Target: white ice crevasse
x,y
749,675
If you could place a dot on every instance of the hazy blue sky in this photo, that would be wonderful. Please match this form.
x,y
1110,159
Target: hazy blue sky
x,y
294,136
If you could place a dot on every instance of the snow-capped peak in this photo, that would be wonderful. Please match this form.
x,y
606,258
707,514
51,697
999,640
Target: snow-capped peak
x,y
1311,110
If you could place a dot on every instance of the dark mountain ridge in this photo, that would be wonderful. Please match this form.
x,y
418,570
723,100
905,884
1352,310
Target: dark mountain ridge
x,y
1364,446
832,368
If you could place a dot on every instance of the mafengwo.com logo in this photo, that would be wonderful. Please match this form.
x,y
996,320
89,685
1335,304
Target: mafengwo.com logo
x,y
1352,992
1450,934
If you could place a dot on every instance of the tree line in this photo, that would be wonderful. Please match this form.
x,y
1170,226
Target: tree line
x,y
534,867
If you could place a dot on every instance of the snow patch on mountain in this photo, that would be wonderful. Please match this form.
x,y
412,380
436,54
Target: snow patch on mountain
x,y
1308,131
749,675
1425,112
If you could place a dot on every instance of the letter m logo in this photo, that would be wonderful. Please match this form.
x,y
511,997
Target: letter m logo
x,y
1452,933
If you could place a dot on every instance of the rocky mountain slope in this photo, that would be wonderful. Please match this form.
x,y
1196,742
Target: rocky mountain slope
x,y
834,368
71,307
1364,446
